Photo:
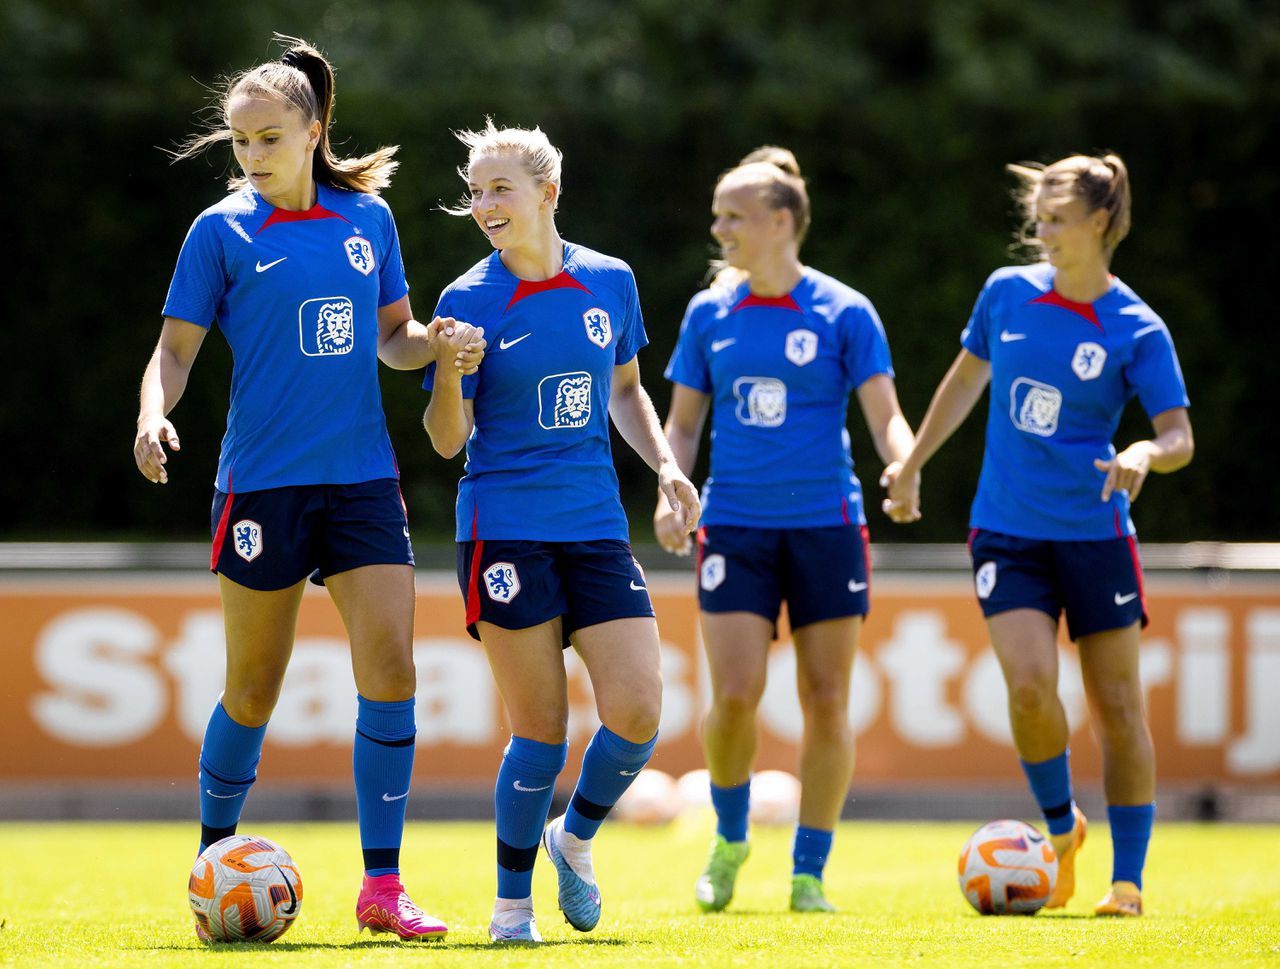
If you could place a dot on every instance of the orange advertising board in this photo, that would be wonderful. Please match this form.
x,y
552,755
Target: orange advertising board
x,y
115,680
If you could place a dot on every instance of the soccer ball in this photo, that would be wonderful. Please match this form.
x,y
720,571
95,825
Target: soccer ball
x,y
244,889
694,789
652,798
1007,867
775,798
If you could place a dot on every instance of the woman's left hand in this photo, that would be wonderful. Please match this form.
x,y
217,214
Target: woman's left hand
x,y
681,495
1126,471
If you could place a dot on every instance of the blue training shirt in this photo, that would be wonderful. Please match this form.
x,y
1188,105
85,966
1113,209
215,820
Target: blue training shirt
x,y
1061,374
779,372
296,294
539,465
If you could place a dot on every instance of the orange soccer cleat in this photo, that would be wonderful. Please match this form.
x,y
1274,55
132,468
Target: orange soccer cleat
x,y
1065,847
1124,899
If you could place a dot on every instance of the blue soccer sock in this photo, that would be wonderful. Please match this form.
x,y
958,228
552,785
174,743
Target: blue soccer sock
x,y
732,805
1130,834
228,767
521,800
382,759
1050,782
609,767
810,850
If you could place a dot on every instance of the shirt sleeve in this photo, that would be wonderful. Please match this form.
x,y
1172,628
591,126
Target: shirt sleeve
x,y
866,348
976,337
1154,373
688,364
200,278
449,306
631,336
392,284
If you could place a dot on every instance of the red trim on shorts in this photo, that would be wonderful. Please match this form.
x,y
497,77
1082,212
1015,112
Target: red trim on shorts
x,y
473,578
866,550
701,537
844,510
220,535
973,533
1137,571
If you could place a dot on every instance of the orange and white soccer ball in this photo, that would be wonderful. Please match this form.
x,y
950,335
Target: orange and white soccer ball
x,y
652,798
244,889
775,798
1008,867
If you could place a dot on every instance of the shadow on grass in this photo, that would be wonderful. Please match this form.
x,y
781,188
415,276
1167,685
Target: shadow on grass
x,y
363,944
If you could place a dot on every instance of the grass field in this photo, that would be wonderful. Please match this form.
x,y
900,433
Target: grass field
x,y
107,895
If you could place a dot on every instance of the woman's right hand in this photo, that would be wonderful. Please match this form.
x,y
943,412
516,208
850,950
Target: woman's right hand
x,y
669,529
148,447
903,503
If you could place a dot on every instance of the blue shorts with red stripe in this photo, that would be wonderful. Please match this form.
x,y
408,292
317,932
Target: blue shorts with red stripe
x,y
1098,584
517,584
821,573
274,538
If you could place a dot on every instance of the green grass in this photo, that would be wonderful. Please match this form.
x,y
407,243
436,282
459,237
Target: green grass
x,y
108,895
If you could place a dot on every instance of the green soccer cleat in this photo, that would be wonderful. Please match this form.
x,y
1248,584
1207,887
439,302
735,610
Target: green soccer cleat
x,y
806,895
714,889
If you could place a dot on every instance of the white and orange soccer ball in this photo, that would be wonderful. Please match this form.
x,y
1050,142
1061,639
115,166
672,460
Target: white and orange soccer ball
x,y
775,798
1006,868
652,798
244,889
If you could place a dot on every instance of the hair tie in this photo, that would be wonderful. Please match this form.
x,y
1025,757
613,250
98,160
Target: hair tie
x,y
293,58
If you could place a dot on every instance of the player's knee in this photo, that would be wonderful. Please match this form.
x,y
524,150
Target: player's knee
x,y
1031,696
826,708
250,707
737,697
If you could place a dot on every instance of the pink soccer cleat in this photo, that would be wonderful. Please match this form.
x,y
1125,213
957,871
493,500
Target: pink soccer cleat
x,y
383,906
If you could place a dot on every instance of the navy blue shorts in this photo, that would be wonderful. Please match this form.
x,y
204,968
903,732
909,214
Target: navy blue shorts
x,y
518,584
271,539
822,573
1098,584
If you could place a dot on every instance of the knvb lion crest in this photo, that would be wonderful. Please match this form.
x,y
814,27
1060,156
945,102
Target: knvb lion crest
x,y
712,573
1088,360
599,330
502,582
359,252
326,326
801,347
247,536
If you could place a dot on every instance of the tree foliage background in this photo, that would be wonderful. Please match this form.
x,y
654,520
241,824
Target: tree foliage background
x,y
902,115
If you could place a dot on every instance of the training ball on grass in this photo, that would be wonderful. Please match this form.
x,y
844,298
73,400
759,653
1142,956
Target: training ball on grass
x,y
245,889
1007,868
695,788
652,798
775,798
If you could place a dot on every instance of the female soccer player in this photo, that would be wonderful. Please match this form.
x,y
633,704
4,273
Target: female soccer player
x,y
773,348
543,557
1064,345
300,265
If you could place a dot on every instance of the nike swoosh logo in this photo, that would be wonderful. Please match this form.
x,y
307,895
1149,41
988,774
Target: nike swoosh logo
x,y
1121,600
1007,337
505,344
262,269
637,588
388,797
630,773
293,898
222,797
520,787
718,345
856,586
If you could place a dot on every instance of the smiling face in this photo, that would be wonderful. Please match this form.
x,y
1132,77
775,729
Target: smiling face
x,y
1072,236
750,234
511,207
274,144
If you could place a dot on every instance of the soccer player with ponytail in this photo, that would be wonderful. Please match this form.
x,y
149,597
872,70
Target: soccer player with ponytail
x,y
300,266
1064,345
